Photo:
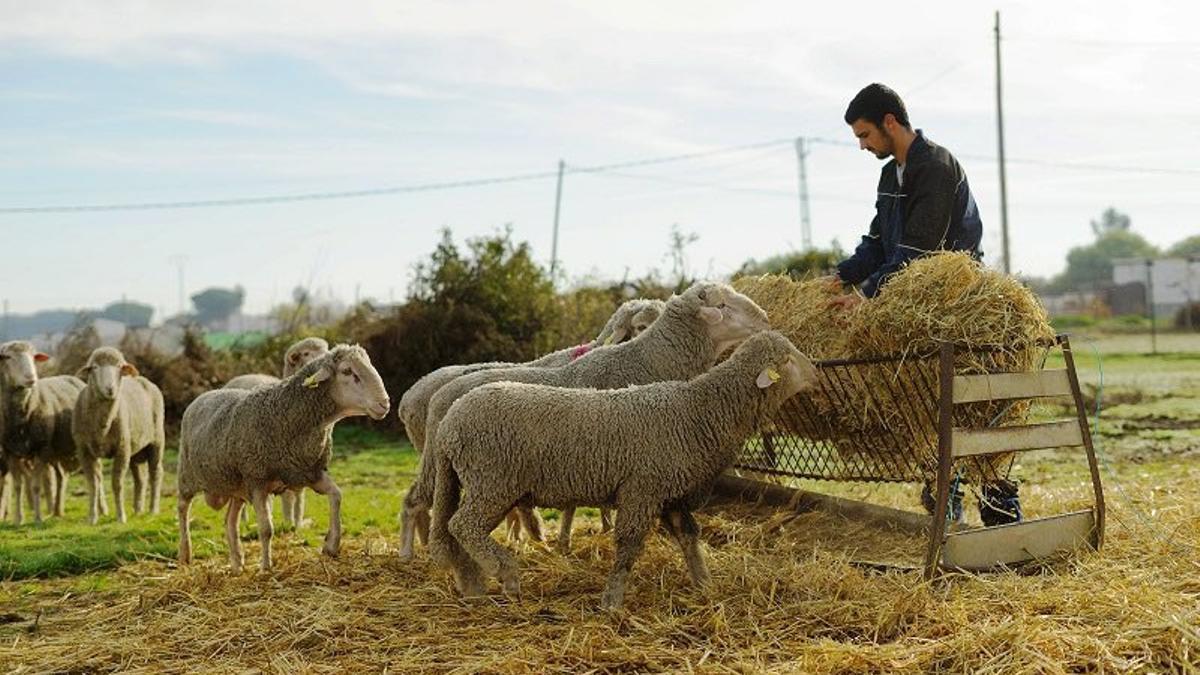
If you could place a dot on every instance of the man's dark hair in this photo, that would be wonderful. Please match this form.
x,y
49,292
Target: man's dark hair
x,y
873,102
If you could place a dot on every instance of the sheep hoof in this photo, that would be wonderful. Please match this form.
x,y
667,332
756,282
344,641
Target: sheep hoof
x,y
512,588
330,549
405,554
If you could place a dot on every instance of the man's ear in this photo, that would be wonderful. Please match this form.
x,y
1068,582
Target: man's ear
x,y
711,315
313,381
767,377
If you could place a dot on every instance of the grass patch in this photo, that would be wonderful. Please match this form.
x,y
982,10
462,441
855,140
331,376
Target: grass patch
x,y
371,468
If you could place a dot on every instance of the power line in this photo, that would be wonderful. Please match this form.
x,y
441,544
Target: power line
x,y
375,192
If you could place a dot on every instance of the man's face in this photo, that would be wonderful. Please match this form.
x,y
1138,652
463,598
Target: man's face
x,y
872,138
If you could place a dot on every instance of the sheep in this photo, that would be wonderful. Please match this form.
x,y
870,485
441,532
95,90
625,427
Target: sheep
x,y
297,356
628,321
648,450
694,329
5,483
239,445
35,416
119,416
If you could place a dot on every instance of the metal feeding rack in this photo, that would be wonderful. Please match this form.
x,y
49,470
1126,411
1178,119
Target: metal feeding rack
x,y
939,418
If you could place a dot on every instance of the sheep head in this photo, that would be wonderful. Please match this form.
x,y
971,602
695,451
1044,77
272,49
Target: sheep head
x,y
728,316
18,364
353,383
104,371
303,353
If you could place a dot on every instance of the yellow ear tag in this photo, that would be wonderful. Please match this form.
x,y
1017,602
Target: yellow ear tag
x,y
608,340
773,374
311,381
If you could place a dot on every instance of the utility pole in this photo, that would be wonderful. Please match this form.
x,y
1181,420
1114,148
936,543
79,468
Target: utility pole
x,y
557,207
179,260
1150,305
805,223
1000,138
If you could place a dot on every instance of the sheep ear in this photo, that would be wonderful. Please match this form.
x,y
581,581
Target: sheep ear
x,y
83,372
313,381
40,357
617,337
711,315
294,358
130,370
767,377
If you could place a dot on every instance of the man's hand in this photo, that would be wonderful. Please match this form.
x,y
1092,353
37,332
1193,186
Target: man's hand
x,y
845,302
833,281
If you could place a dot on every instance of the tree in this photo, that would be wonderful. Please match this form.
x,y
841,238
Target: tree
x,y
1092,264
1189,247
678,254
215,304
132,314
1111,220
813,262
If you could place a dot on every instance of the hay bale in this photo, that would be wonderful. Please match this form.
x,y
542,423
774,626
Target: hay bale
x,y
800,310
945,297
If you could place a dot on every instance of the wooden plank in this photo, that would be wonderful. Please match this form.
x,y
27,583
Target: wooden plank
x,y
968,442
991,547
1004,386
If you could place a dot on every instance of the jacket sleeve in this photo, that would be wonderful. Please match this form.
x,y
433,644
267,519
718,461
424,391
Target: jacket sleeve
x,y
867,257
931,202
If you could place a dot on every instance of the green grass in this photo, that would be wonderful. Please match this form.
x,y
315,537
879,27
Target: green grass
x,y
372,470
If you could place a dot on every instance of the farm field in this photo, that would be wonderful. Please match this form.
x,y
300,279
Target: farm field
x,y
788,592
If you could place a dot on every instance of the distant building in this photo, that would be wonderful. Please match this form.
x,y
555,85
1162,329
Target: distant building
x,y
1174,282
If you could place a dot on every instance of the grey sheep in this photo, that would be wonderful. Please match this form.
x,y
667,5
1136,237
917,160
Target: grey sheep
x,y
298,355
695,328
119,416
35,416
647,450
629,320
239,445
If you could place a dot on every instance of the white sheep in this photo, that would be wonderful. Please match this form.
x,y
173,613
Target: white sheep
x,y
119,416
629,320
239,445
298,355
35,418
694,329
647,450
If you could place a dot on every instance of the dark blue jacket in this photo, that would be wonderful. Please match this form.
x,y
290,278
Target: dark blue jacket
x,y
933,210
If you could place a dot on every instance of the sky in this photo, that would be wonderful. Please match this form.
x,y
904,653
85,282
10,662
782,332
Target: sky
x,y
128,102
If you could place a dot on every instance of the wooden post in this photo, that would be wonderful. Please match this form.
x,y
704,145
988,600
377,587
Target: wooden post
x,y
937,529
1085,430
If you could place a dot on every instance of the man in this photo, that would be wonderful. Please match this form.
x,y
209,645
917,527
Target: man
x,y
923,204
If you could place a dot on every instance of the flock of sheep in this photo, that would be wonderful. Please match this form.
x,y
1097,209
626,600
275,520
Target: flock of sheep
x,y
643,419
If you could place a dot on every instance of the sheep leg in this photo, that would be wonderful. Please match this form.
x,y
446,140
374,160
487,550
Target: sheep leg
x,y
565,522
266,529
137,470
333,539
236,560
156,477
36,483
686,532
531,520
91,473
288,499
5,491
100,488
606,522
416,502
184,510
422,520
512,523
443,546
120,464
472,526
630,532
60,493
20,487
298,508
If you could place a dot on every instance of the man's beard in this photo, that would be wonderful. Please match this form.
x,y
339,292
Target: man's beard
x,y
891,144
